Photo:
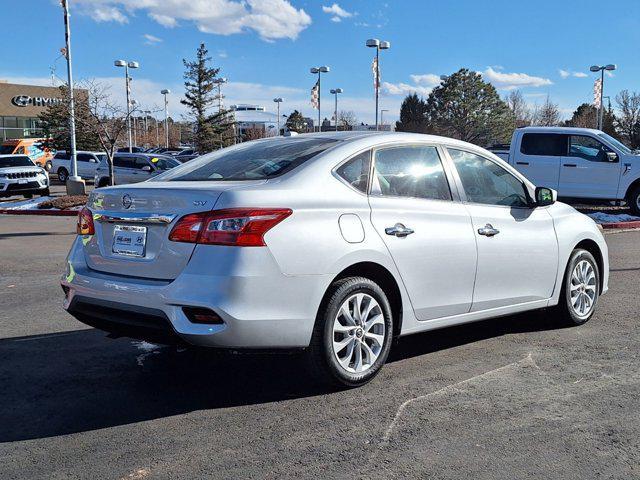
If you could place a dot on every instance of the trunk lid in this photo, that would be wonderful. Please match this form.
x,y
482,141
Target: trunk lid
x,y
133,222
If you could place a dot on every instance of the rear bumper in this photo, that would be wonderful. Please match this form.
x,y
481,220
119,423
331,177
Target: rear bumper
x,y
264,309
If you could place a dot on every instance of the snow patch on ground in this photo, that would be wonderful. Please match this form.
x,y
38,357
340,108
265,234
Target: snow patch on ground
x,y
602,217
28,204
148,349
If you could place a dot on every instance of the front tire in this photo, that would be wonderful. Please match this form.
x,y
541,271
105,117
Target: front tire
x,y
63,175
580,289
352,335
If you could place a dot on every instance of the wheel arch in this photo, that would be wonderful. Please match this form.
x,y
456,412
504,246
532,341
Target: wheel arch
x,y
384,278
592,247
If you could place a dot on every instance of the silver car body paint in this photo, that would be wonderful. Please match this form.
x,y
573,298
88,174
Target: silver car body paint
x,y
268,297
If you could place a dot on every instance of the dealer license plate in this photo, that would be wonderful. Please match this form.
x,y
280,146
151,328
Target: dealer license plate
x,y
129,240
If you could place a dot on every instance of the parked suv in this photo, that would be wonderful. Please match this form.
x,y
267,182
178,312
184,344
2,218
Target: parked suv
x,y
133,168
20,176
577,162
87,164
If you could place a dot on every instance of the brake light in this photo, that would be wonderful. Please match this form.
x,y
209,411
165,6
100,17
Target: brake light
x,y
85,222
240,227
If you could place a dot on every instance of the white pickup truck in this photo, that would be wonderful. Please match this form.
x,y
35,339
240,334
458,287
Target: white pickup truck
x,y
87,163
577,162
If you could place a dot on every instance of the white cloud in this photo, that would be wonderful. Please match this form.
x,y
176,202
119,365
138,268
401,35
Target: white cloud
x,y
567,74
427,79
337,12
151,39
510,81
222,54
271,19
404,89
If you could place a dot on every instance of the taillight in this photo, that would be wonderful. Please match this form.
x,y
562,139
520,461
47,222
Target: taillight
x,y
240,227
85,222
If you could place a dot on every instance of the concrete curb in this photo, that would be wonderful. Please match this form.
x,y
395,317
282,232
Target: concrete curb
x,y
625,225
51,213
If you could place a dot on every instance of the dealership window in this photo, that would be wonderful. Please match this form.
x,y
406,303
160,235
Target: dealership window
x,y
544,144
10,122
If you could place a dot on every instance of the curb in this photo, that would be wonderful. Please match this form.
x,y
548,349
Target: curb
x,y
51,213
618,225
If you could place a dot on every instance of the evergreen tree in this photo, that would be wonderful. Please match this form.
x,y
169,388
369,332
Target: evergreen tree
x,y
412,115
211,131
586,116
295,122
467,108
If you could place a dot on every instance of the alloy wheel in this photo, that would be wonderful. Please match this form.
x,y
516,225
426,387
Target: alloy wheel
x,y
358,333
583,288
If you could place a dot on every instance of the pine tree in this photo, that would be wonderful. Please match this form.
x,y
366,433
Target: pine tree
x,y
295,122
211,131
412,115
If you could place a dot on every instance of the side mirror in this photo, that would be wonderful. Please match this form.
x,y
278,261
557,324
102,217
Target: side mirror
x,y
545,196
612,156
146,168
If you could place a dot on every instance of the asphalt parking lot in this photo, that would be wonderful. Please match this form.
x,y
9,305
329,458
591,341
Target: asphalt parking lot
x,y
514,397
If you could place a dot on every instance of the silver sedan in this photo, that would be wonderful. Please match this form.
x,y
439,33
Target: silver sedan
x,y
331,243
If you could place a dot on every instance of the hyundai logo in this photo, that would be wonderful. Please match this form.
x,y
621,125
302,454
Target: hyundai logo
x,y
126,201
26,100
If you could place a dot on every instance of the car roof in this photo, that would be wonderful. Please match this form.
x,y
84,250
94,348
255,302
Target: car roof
x,y
560,130
13,155
82,151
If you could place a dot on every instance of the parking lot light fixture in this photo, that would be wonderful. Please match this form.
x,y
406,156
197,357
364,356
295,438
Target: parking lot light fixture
x,y
378,45
166,92
318,71
601,68
127,65
335,92
278,101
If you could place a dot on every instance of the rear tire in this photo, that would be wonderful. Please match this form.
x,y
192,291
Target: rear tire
x,y
352,335
634,201
580,289
63,175
45,193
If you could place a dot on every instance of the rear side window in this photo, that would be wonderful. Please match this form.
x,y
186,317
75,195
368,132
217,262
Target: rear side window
x,y
62,156
356,171
123,162
544,144
412,171
140,162
84,157
250,161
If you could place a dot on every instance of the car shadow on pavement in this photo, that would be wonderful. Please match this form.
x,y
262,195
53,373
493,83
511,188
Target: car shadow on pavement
x,y
80,381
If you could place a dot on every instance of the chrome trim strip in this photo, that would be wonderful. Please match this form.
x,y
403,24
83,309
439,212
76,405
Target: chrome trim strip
x,y
135,218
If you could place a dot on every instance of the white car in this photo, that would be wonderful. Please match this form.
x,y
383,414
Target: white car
x,y
333,243
87,164
20,176
578,163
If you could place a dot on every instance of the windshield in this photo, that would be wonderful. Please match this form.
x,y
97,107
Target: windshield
x,y
250,161
7,149
619,145
17,161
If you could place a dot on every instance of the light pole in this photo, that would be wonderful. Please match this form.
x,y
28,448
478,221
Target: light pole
x,y
378,45
601,69
319,71
127,65
278,101
166,92
335,92
381,114
219,81
75,185
134,104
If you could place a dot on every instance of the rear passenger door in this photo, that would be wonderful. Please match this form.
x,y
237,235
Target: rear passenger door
x,y
86,166
123,166
587,171
427,233
540,156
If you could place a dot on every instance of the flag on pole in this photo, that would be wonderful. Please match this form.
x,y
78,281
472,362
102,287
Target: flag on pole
x,y
315,93
375,70
597,90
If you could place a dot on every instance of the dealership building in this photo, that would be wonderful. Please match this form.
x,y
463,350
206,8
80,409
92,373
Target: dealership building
x,y
20,106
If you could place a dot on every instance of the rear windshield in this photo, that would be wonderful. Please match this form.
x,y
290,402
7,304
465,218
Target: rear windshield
x,y
17,161
250,161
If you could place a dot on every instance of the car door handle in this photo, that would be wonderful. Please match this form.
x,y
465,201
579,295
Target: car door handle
x,y
488,230
399,230
570,165
522,163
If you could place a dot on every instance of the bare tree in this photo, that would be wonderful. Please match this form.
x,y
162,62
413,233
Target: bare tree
x,y
519,108
254,133
547,115
106,120
347,119
629,119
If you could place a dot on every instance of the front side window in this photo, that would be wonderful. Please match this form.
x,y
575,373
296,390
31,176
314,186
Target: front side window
x,y
583,146
84,157
164,162
544,144
487,182
413,171
250,161
356,171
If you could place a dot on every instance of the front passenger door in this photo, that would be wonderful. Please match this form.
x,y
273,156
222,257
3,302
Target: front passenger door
x,y
517,246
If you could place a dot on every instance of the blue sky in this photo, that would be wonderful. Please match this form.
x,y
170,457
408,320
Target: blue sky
x,y
265,47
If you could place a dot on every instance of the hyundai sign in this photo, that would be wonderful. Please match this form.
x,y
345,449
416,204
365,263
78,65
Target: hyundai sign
x,y
26,100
